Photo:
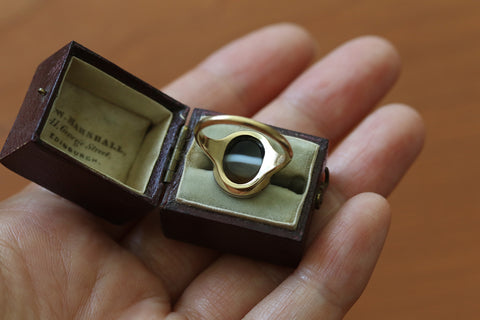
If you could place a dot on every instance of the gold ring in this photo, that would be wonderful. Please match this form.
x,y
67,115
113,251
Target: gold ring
x,y
243,161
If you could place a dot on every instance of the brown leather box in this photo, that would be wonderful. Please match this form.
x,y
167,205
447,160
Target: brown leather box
x,y
104,139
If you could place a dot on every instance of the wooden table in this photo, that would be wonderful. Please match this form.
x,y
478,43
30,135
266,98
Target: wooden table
x,y
430,267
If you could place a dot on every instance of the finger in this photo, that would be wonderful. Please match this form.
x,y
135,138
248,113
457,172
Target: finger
x,y
217,294
373,158
246,74
378,153
399,125
238,79
337,92
347,248
337,266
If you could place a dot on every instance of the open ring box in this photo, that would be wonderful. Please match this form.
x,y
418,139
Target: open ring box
x,y
104,139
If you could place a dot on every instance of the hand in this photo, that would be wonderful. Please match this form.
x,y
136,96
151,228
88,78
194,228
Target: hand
x,y
57,261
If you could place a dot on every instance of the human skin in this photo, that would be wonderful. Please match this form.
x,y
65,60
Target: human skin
x,y
57,261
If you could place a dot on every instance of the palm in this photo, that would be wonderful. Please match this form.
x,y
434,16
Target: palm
x,y
58,262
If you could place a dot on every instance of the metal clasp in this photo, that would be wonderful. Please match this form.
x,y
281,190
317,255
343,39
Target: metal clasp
x,y
322,187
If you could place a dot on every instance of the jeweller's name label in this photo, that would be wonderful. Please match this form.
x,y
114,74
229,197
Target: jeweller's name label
x,y
99,134
64,131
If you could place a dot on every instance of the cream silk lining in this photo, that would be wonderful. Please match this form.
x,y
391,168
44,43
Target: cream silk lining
x,y
106,125
279,204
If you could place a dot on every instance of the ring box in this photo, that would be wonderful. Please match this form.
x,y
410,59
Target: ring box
x,y
104,139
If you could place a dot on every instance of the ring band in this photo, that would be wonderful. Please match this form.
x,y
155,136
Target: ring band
x,y
243,161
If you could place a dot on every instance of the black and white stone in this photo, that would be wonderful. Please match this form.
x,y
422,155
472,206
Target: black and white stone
x,y
243,159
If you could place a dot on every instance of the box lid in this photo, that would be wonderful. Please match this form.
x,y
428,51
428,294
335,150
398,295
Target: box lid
x,y
51,146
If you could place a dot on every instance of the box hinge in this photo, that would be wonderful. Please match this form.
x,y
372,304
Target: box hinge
x,y
177,155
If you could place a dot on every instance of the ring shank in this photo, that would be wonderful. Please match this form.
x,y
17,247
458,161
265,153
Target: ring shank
x,y
242,121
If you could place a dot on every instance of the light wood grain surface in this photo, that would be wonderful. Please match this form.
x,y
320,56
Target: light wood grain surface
x,y
430,267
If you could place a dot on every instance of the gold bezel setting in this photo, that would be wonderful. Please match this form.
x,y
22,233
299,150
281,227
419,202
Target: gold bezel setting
x,y
215,149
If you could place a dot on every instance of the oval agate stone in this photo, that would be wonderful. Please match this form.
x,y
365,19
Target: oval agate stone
x,y
242,159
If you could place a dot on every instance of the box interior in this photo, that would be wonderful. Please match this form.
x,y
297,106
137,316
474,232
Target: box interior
x,y
106,125
279,204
